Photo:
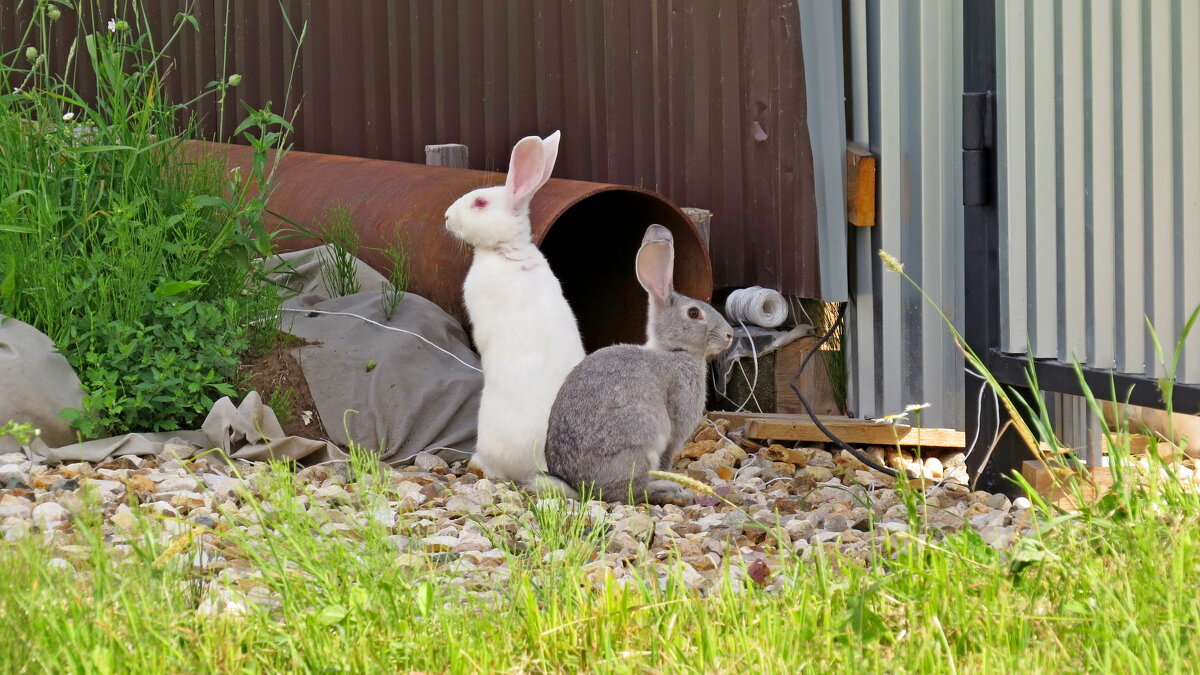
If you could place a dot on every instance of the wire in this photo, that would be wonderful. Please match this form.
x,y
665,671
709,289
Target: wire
x,y
979,411
858,454
376,323
754,384
765,307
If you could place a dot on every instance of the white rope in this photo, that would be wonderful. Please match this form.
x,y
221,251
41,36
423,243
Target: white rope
x,y
983,387
760,306
376,323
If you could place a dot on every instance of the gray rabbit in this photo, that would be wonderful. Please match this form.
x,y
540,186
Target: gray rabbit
x,y
627,409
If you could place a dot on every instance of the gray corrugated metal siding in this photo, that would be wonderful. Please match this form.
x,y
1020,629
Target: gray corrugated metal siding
x,y
909,85
1099,179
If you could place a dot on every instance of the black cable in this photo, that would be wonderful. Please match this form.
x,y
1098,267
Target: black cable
x,y
858,454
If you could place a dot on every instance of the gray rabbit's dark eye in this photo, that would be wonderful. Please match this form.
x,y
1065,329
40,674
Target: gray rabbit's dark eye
x,y
694,313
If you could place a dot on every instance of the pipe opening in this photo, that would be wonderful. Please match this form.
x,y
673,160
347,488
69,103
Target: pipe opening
x,y
592,246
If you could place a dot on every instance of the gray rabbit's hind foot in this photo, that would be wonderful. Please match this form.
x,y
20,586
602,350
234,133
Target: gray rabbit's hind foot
x,y
660,491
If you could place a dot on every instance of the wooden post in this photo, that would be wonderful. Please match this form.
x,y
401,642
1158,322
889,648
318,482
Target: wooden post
x,y
860,185
702,219
453,155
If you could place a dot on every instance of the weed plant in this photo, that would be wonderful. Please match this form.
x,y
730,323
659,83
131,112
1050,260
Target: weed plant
x,y
397,282
340,259
133,252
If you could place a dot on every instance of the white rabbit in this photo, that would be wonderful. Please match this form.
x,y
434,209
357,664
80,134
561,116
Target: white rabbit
x,y
524,329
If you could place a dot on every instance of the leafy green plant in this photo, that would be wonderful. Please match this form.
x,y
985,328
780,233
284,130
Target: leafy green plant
x,y
159,373
102,199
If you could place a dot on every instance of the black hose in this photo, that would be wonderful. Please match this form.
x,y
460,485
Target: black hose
x,y
858,454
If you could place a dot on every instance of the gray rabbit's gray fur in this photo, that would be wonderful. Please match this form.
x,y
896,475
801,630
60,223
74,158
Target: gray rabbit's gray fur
x,y
627,409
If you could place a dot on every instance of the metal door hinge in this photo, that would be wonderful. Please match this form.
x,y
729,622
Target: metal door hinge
x,y
979,138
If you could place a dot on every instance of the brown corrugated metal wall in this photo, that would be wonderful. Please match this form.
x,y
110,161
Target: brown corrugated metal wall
x,y
700,100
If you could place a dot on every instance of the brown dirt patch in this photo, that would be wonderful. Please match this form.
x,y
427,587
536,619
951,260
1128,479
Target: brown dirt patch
x,y
277,377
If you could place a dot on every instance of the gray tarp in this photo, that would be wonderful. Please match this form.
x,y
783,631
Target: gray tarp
x,y
36,382
416,396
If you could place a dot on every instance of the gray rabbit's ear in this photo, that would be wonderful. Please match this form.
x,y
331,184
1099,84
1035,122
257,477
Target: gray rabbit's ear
x,y
656,263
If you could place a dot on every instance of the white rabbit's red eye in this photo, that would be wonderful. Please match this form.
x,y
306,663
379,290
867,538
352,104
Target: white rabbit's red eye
x,y
479,202
693,313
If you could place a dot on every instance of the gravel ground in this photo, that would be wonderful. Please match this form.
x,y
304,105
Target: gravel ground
x,y
444,516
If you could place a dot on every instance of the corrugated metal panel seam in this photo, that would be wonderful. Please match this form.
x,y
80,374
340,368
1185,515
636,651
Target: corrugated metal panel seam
x,y
912,82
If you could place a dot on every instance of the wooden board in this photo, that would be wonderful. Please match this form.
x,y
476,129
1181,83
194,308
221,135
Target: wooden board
x,y
787,427
1043,480
814,382
860,185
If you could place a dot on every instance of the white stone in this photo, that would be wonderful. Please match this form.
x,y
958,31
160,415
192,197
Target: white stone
x,y
460,505
49,514
15,510
123,518
410,491
331,492
691,578
822,537
426,461
441,540
108,489
178,484
10,471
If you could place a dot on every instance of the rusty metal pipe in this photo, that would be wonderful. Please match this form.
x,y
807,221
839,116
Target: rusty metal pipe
x,y
589,232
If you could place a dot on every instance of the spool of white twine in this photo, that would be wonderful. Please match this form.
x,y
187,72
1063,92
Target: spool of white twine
x,y
757,305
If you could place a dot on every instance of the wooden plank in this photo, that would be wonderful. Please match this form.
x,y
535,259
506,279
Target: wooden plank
x,y
856,432
814,383
1050,483
739,419
453,155
860,185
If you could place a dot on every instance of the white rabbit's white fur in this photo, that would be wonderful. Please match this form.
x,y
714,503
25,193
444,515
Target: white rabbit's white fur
x,y
526,334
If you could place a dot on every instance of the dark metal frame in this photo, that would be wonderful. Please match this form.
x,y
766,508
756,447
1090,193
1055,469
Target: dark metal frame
x,y
982,281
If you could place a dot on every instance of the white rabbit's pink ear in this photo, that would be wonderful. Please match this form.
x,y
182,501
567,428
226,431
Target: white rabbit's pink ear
x,y
549,154
656,263
525,171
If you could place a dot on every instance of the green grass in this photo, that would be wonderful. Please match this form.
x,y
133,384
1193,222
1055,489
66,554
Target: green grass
x,y
1110,589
